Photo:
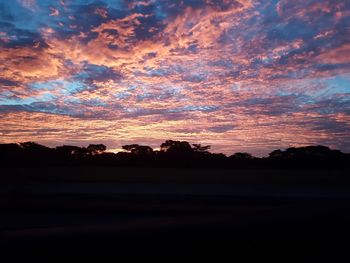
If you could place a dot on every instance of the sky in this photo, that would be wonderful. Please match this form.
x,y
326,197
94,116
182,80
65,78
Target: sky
x,y
240,75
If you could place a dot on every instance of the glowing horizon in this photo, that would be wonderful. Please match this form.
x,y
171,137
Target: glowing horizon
x,y
241,75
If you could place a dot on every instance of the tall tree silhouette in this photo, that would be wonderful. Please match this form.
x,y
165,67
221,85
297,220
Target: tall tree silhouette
x,y
176,147
94,149
198,148
69,151
137,149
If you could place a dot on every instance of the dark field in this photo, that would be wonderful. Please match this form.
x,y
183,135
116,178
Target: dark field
x,y
174,215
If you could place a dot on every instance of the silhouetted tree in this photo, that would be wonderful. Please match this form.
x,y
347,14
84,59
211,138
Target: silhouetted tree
x,y
34,153
242,156
308,152
176,153
275,154
176,147
137,149
71,151
9,149
172,153
94,149
198,148
33,147
307,157
11,153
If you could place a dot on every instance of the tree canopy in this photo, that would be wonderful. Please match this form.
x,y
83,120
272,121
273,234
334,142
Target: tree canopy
x,y
172,153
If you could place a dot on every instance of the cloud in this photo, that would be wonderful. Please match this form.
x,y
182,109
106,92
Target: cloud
x,y
54,12
29,4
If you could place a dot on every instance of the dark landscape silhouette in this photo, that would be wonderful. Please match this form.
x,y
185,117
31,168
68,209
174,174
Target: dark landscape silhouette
x,y
181,203
172,153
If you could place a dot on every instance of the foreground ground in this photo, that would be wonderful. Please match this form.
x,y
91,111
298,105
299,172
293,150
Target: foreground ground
x,y
173,215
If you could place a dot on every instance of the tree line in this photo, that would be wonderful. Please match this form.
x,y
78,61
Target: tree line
x,y
172,153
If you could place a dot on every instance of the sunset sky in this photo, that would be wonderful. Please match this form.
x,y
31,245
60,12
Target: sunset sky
x,y
241,75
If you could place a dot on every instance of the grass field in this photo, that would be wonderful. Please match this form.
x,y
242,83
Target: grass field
x,y
174,215
174,176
